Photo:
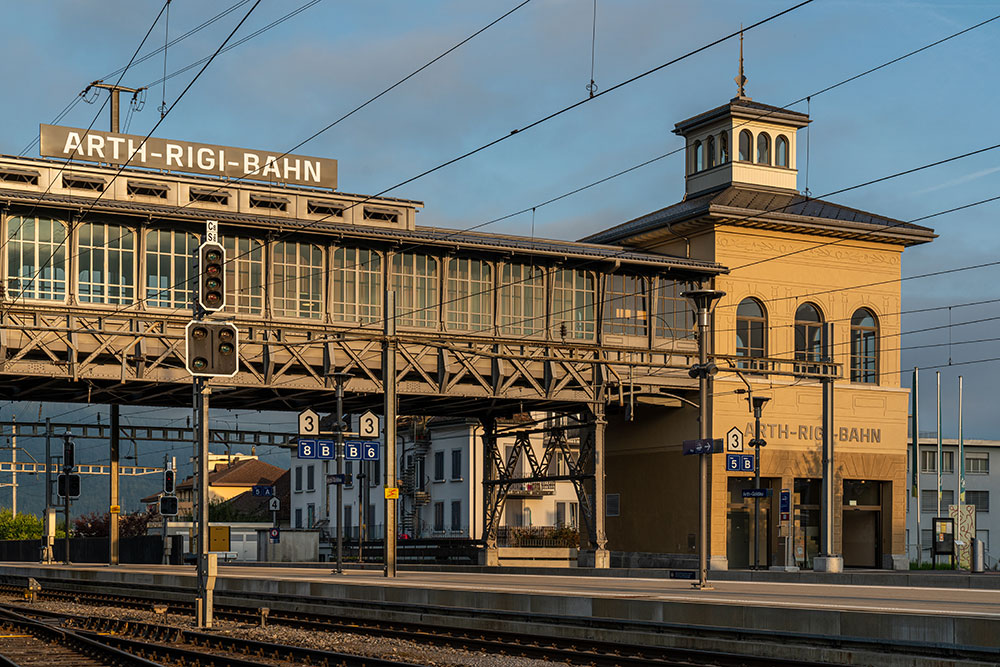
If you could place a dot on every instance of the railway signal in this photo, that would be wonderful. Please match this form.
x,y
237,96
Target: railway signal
x,y
69,485
212,349
168,482
69,453
211,291
168,505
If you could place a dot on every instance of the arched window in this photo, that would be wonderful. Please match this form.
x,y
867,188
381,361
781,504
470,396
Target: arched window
x,y
808,336
699,156
751,332
107,264
746,145
763,148
36,258
781,151
723,147
864,347
168,267
711,152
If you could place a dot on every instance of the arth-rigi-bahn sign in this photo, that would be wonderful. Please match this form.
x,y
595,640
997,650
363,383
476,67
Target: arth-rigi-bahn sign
x,y
155,153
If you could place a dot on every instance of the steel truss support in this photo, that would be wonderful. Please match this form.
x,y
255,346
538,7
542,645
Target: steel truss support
x,y
523,472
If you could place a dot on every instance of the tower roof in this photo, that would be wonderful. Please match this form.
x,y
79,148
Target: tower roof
x,y
745,109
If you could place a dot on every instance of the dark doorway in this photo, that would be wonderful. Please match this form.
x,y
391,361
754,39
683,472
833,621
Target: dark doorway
x,y
861,538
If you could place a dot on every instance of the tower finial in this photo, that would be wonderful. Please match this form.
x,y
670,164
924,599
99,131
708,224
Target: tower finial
x,y
741,81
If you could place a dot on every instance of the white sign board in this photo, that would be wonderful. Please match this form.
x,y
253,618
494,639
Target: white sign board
x,y
734,440
308,423
368,425
274,504
211,231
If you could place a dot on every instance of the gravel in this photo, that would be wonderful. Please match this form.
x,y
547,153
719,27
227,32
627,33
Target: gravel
x,y
340,642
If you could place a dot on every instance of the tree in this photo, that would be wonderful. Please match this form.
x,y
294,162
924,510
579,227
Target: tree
x,y
98,525
20,527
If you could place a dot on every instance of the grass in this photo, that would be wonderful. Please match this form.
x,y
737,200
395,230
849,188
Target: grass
x,y
927,566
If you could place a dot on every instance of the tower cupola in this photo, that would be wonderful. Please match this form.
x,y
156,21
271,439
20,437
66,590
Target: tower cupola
x,y
741,143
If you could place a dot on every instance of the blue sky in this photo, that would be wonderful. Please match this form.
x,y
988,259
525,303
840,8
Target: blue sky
x,y
282,86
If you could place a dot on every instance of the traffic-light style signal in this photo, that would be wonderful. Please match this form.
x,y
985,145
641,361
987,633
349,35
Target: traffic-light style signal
x,y
168,505
69,453
168,481
212,349
69,485
211,277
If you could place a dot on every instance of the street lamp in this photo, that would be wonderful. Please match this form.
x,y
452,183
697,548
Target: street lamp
x,y
758,403
703,300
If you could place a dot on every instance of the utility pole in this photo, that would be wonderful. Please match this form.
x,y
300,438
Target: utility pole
x,y
758,403
940,452
703,300
115,91
13,467
827,561
915,432
340,378
206,561
114,501
389,382
49,521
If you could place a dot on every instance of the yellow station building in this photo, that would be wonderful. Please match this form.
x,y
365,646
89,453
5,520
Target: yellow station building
x,y
796,264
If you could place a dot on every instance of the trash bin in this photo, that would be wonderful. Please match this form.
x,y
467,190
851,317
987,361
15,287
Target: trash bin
x,y
978,555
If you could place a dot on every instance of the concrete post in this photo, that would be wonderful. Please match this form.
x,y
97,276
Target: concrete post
x,y
389,382
114,500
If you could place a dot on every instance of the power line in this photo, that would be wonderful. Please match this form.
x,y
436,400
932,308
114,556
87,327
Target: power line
x,y
162,118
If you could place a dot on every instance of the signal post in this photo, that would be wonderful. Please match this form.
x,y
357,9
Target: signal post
x,y
212,351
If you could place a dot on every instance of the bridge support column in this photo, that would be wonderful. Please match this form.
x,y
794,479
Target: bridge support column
x,y
596,554
493,496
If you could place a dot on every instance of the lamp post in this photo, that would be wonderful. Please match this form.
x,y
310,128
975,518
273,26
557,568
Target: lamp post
x,y
703,300
758,403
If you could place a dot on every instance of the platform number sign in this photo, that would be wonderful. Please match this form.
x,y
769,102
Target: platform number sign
x,y
368,425
734,440
308,423
370,451
352,450
307,449
326,449
739,463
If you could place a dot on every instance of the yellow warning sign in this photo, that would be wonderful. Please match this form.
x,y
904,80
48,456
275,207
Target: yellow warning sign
x,y
392,493
116,509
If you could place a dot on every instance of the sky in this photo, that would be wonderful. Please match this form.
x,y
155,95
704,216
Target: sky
x,y
282,86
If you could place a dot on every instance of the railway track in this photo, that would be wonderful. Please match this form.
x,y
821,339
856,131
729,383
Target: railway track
x,y
579,651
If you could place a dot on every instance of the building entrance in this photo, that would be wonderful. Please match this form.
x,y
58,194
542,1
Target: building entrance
x,y
862,520
740,528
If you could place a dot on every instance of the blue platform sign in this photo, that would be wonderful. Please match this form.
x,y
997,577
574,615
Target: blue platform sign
x,y
370,451
307,449
352,450
785,504
262,490
739,462
326,449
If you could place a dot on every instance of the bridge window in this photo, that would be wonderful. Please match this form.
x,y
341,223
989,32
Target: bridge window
x,y
107,264
751,332
168,268
36,258
469,295
244,275
298,280
674,317
625,306
522,300
415,281
574,297
864,347
357,285
808,336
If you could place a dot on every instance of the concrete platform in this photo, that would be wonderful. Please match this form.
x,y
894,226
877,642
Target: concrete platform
x,y
964,616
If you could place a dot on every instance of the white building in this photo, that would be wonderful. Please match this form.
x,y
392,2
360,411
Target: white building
x,y
982,483
439,474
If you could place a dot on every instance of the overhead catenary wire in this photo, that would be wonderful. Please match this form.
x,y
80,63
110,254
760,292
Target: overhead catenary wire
x,y
655,159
